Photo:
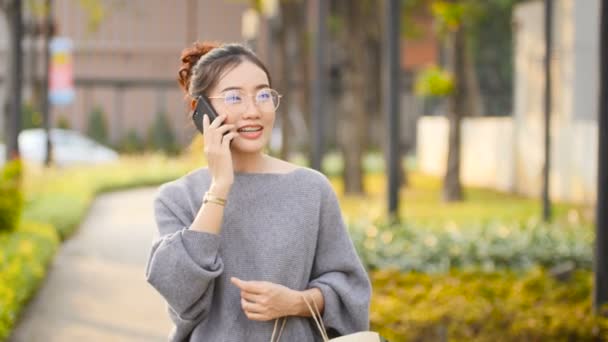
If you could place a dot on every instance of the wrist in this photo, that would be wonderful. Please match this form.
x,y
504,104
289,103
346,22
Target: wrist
x,y
297,306
220,190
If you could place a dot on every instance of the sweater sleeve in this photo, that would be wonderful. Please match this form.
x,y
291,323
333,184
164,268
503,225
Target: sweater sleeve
x,y
182,266
338,272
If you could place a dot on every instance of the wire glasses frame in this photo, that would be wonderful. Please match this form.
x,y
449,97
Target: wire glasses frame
x,y
267,100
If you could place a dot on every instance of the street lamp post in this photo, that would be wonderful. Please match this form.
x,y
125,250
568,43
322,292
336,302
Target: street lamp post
x,y
547,143
601,237
45,107
392,101
319,85
14,11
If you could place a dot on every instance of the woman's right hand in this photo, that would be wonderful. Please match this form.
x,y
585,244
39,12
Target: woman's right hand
x,y
217,151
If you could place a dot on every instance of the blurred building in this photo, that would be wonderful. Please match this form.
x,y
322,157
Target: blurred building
x,y
126,57
508,153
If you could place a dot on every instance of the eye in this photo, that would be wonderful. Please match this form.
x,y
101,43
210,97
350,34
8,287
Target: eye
x,y
264,95
232,98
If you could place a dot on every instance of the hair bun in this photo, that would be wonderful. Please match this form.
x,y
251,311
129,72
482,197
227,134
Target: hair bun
x,y
189,57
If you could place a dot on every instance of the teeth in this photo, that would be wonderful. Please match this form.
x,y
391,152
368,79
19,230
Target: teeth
x,y
250,129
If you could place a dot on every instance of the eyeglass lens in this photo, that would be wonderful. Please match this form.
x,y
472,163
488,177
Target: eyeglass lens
x,y
267,100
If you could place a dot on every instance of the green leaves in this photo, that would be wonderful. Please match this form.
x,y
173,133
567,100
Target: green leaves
x,y
478,306
434,81
24,255
160,135
97,126
11,196
485,246
96,13
449,16
62,197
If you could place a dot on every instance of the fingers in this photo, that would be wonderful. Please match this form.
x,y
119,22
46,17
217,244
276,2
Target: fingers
x,y
254,287
214,132
224,128
254,311
250,297
228,138
205,122
218,121
257,317
250,307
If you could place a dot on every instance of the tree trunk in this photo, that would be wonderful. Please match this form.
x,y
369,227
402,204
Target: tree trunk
x,y
12,123
352,132
452,189
474,100
284,80
294,75
45,107
301,73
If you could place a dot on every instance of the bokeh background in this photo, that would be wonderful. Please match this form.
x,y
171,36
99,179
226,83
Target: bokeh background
x,y
464,150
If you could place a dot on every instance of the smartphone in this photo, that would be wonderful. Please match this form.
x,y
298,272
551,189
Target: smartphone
x,y
203,106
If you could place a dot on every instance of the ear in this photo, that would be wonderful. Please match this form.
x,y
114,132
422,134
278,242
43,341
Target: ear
x,y
193,104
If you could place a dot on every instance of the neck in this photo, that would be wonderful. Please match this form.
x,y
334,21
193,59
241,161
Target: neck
x,y
249,162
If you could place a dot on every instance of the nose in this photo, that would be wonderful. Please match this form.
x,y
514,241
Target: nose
x,y
252,111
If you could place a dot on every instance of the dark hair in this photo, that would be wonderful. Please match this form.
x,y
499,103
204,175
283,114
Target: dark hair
x,y
204,63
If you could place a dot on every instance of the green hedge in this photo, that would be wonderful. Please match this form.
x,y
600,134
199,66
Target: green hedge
x,y
474,306
62,197
11,197
486,246
24,256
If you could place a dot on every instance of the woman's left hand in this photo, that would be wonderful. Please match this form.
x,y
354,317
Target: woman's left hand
x,y
265,301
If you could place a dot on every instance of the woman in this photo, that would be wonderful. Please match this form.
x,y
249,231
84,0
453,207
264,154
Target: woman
x,y
242,241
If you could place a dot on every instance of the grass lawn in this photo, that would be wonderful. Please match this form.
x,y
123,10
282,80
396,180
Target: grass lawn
x,y
421,202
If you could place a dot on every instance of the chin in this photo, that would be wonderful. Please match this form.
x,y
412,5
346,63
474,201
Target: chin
x,y
249,146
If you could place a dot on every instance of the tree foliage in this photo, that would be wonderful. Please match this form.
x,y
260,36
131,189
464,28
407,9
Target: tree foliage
x,y
161,136
97,127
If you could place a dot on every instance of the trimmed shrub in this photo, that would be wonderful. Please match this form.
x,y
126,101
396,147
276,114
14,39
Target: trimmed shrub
x,y
486,246
97,127
62,197
30,117
63,122
131,143
161,136
24,257
474,306
11,197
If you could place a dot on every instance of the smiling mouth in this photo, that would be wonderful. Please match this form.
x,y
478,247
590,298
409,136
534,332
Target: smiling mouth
x,y
251,134
250,129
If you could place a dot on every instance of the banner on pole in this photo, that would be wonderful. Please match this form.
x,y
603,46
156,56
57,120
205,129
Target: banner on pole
x,y
61,73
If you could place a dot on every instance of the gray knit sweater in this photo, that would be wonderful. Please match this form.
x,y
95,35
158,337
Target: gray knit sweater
x,y
281,228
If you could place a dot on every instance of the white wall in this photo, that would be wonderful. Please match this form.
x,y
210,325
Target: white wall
x,y
574,104
507,153
487,150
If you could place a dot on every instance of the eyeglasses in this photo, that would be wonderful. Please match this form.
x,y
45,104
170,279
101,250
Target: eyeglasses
x,y
267,100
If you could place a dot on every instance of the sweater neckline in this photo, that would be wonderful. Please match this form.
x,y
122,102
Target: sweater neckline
x,y
249,174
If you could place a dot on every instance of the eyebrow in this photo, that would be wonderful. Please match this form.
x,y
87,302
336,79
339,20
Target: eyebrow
x,y
259,86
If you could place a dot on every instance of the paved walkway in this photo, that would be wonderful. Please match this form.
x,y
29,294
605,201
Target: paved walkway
x,y
96,289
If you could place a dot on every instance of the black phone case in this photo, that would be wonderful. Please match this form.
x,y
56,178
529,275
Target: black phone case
x,y
203,107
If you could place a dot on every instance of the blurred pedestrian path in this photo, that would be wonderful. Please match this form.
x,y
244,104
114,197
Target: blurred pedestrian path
x,y
96,289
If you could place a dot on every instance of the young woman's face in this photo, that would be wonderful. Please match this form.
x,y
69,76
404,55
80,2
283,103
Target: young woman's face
x,y
241,85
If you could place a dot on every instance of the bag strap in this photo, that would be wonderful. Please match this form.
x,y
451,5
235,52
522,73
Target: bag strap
x,y
316,315
276,323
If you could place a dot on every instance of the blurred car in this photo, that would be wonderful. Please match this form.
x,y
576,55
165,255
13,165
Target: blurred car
x,y
69,148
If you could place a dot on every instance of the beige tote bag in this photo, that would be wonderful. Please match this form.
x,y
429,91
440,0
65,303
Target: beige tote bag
x,y
363,336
